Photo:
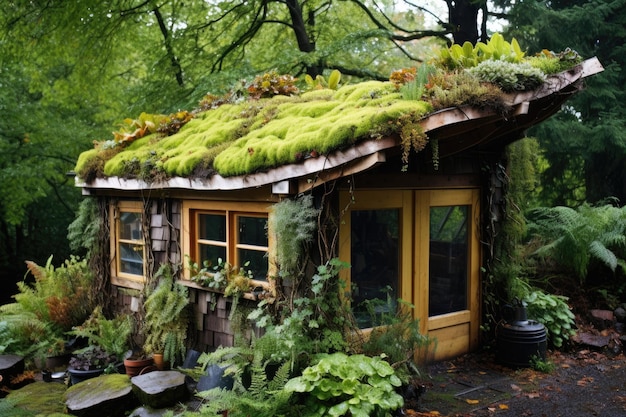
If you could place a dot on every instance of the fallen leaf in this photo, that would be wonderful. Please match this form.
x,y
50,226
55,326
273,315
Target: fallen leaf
x,y
503,407
533,395
482,373
472,401
515,388
565,366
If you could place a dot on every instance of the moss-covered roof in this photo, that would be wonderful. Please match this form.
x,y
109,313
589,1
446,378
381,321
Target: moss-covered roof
x,y
240,137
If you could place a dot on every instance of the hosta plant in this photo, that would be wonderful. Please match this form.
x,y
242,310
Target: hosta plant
x,y
348,385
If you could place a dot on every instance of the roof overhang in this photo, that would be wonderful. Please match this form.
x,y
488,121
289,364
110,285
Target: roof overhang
x,y
456,129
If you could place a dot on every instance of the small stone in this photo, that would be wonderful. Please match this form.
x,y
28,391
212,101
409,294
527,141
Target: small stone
x,y
103,396
620,315
160,389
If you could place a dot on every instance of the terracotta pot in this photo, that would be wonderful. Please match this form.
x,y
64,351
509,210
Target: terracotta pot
x,y
160,363
135,367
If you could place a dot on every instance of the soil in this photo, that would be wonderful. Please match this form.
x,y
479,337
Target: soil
x,y
582,382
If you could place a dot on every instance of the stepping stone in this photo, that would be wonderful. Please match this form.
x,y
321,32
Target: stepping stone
x,y
10,365
160,389
103,396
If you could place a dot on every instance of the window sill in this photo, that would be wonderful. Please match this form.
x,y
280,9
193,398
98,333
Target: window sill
x,y
248,295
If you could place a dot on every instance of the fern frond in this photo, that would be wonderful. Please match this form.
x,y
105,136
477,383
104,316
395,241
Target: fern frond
x,y
603,254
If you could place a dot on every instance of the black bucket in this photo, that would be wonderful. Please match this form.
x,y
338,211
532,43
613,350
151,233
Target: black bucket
x,y
521,342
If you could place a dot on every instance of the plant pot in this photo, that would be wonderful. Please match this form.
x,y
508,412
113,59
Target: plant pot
x,y
160,363
135,367
57,361
80,375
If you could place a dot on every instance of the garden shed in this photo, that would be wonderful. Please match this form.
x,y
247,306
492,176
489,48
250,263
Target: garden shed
x,y
409,194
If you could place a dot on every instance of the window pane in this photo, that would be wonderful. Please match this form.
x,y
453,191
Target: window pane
x,y
375,254
131,258
252,231
258,263
130,226
212,227
448,270
212,254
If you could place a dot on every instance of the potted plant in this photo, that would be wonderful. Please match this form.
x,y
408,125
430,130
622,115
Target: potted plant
x,y
90,362
108,343
166,318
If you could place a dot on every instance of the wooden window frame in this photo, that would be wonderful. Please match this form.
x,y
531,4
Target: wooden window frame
x,y
232,211
118,277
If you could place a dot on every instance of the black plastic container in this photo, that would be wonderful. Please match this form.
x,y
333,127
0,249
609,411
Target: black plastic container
x,y
519,340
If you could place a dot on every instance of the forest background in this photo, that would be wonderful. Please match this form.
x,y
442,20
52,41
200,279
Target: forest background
x,y
72,71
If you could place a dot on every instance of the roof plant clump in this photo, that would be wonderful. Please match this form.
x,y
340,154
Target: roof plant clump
x,y
271,122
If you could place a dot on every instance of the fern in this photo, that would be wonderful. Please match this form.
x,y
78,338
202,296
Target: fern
x,y
167,317
293,222
574,238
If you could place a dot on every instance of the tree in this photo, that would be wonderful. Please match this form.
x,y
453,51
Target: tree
x,y
585,144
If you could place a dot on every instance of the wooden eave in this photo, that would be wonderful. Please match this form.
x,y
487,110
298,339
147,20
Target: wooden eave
x,y
456,129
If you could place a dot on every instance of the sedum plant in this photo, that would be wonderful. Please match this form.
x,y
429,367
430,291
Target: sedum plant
x,y
348,385
508,75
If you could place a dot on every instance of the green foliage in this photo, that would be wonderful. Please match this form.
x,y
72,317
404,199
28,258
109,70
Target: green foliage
x,y
231,280
320,82
257,384
272,84
167,317
508,75
553,312
83,232
112,335
397,338
468,55
315,323
573,238
58,299
294,222
541,365
348,385
414,89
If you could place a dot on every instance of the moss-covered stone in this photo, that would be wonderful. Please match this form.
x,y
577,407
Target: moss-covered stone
x,y
106,395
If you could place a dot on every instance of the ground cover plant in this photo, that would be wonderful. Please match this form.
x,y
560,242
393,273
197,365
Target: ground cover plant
x,y
275,121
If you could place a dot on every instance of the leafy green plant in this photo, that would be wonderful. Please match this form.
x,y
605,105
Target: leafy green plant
x,y
468,55
510,76
257,384
316,323
348,385
167,317
414,89
570,239
554,313
541,365
396,336
272,84
319,82
232,280
294,222
112,335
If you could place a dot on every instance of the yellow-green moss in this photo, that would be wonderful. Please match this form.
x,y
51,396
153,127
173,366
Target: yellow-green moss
x,y
40,398
237,139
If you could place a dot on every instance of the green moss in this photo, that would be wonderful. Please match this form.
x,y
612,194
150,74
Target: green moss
x,y
243,138
40,398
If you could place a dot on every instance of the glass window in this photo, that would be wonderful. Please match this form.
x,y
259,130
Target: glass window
x,y
448,262
252,245
375,254
129,242
233,236
211,238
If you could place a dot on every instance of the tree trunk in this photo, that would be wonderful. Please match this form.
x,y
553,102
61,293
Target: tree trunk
x,y
463,17
178,71
305,43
